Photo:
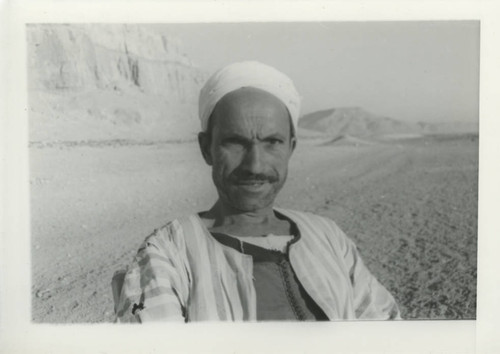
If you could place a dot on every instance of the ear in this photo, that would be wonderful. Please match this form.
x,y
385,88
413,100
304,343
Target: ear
x,y
204,140
293,144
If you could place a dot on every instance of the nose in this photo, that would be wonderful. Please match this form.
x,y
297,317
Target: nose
x,y
252,161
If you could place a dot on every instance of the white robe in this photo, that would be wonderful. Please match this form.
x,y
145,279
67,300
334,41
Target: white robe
x,y
182,273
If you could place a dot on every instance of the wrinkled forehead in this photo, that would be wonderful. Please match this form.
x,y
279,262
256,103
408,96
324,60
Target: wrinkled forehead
x,y
251,106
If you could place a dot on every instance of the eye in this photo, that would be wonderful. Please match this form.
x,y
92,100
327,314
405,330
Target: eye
x,y
274,141
234,142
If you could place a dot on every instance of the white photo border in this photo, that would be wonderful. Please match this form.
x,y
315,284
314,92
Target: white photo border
x,y
19,335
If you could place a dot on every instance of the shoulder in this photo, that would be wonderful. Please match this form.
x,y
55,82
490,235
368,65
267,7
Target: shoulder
x,y
168,236
159,265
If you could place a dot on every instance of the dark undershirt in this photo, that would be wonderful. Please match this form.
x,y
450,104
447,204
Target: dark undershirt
x,y
280,296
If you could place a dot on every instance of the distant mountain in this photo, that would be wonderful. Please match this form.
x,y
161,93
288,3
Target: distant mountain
x,y
359,123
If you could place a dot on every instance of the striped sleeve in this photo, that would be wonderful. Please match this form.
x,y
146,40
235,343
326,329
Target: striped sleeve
x,y
371,299
156,285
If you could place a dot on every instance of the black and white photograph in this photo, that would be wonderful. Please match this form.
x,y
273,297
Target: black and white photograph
x,y
250,175
281,171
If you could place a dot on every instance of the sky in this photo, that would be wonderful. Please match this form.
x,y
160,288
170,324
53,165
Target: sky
x,y
412,71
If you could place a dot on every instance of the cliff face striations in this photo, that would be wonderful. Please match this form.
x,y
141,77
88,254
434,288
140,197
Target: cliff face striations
x,y
100,82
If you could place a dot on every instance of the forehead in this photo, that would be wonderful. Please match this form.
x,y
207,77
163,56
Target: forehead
x,y
251,109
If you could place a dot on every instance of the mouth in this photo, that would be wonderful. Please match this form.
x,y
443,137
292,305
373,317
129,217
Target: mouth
x,y
250,182
252,185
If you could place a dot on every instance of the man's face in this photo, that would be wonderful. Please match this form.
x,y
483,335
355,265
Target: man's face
x,y
249,148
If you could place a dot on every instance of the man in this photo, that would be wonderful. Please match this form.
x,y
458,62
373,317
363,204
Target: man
x,y
244,259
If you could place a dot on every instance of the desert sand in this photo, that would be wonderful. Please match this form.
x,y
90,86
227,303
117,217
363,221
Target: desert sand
x,y
409,204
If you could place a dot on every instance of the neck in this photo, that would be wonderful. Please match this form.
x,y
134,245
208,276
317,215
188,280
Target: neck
x,y
222,218
226,215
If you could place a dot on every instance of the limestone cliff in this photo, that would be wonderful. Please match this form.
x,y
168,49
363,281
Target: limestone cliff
x,y
94,82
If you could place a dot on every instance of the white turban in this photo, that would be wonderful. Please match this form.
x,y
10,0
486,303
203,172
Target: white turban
x,y
248,74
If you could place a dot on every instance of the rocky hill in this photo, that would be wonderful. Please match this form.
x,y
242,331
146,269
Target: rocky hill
x,y
95,82
357,122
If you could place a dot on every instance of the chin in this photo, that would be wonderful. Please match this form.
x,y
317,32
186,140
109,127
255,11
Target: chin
x,y
249,204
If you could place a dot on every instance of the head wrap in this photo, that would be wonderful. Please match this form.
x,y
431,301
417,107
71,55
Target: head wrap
x,y
248,74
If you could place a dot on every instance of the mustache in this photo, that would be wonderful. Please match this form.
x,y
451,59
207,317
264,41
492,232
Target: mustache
x,y
246,176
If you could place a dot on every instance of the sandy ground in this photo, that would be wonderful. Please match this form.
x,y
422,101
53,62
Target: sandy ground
x,y
410,206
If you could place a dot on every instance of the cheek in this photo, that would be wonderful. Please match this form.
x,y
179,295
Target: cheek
x,y
280,159
225,161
